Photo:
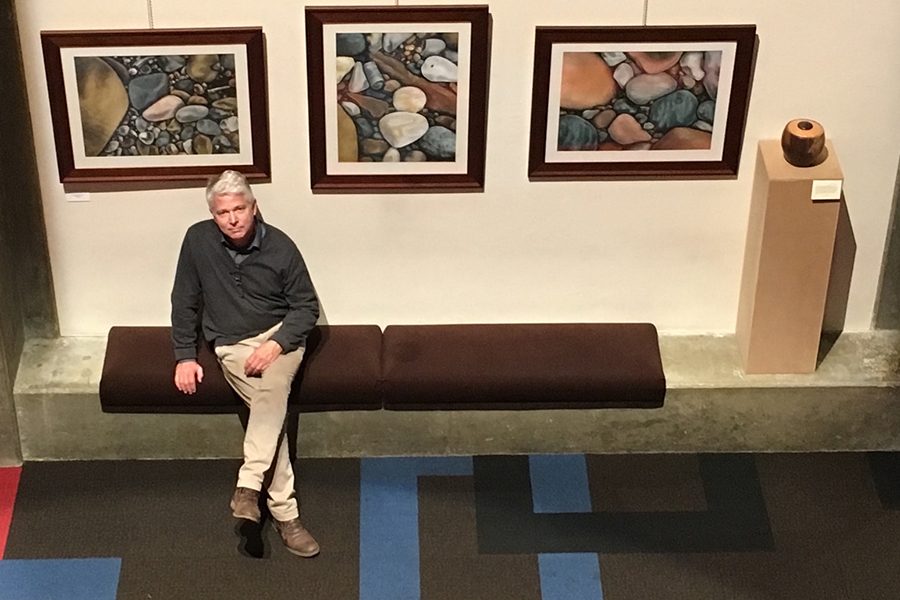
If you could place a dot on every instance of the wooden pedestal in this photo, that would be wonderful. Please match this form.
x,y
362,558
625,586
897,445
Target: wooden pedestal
x,y
790,242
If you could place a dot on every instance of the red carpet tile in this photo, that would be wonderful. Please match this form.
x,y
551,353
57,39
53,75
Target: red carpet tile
x,y
9,483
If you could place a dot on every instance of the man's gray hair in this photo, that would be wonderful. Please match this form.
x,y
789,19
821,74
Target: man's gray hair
x,y
229,182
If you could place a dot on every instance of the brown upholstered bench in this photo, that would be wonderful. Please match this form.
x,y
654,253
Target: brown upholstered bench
x,y
341,370
413,367
524,366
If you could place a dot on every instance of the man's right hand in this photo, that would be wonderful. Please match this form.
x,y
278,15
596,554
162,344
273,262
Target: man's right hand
x,y
187,375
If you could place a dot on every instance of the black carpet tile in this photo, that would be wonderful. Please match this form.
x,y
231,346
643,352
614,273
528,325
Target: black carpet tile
x,y
886,473
170,523
452,567
666,527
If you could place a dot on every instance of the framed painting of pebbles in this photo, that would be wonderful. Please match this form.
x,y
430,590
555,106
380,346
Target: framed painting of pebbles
x,y
639,102
397,98
158,104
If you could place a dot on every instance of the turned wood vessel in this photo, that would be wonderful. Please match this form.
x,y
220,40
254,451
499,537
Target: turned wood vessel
x,y
803,143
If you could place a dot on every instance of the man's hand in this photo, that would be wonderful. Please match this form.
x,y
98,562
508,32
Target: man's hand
x,y
187,375
261,358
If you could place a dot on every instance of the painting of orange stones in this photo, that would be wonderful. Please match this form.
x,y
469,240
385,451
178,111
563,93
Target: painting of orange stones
x,y
638,100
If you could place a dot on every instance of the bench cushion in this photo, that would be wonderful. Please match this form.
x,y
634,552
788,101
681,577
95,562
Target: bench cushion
x,y
340,371
522,366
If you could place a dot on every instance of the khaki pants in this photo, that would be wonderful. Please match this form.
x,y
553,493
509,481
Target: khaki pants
x,y
266,396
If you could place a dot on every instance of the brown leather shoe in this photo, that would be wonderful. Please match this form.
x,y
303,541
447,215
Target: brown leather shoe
x,y
245,504
296,538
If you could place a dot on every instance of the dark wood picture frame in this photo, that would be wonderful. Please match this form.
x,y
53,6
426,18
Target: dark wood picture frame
x,y
328,173
167,163
593,160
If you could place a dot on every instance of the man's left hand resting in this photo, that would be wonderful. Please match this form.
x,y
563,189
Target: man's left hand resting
x,y
262,357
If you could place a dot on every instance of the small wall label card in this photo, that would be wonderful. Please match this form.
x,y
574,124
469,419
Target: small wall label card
x,y
827,189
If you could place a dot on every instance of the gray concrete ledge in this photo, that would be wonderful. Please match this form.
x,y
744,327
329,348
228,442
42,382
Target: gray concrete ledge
x,y
851,402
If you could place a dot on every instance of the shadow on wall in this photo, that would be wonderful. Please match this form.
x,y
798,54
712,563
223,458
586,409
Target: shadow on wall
x,y
887,306
838,282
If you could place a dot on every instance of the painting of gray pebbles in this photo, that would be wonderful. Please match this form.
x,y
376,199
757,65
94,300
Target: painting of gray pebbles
x,y
638,100
397,96
158,105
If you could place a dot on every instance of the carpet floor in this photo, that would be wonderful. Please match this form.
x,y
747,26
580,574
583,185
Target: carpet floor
x,y
540,527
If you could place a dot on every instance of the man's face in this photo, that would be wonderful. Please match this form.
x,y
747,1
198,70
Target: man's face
x,y
235,216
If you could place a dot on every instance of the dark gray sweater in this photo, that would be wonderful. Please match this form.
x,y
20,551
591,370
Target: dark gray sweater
x,y
230,301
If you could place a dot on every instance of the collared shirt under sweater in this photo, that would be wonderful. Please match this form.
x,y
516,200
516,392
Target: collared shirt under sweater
x,y
230,301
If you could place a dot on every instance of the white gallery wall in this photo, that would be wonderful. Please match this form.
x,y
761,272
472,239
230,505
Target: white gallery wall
x,y
668,252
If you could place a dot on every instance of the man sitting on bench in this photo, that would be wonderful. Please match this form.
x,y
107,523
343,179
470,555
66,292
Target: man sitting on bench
x,y
244,284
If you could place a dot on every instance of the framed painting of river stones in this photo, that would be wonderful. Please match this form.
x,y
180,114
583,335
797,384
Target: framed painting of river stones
x,y
397,98
639,102
158,104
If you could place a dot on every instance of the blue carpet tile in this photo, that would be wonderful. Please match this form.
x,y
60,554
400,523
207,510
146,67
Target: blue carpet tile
x,y
542,527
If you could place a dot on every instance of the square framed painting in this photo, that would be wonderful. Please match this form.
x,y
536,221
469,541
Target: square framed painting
x,y
639,102
157,104
397,98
